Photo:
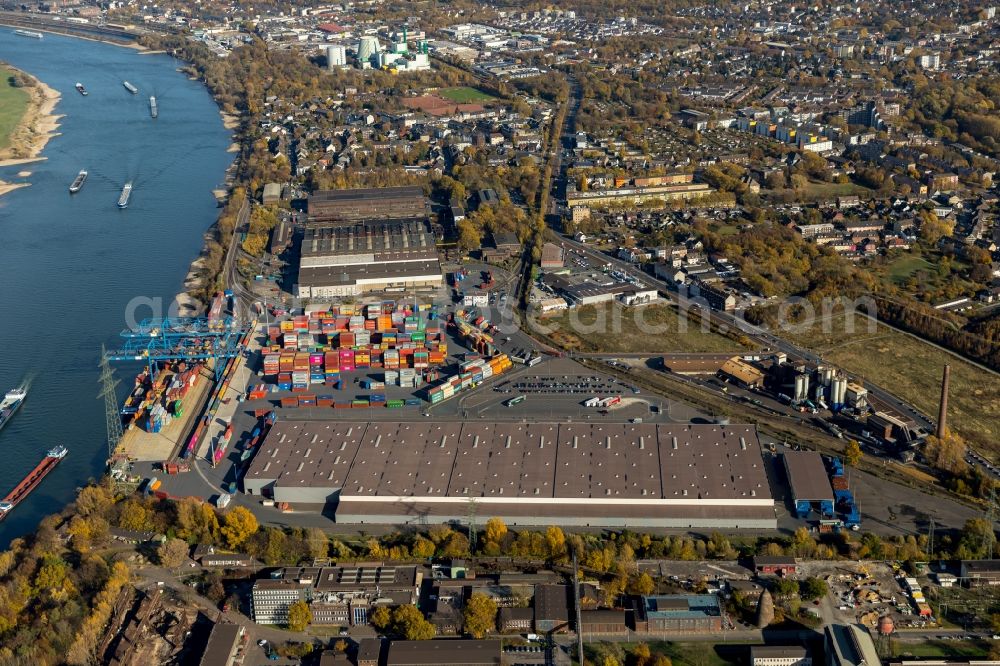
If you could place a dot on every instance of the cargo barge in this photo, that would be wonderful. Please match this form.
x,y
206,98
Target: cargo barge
x,y
126,193
31,481
77,183
28,33
131,88
11,403
152,107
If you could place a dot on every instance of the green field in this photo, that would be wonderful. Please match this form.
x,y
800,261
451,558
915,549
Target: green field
x,y
618,329
912,369
939,649
465,95
902,268
13,103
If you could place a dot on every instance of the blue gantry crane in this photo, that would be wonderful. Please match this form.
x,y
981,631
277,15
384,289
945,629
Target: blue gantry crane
x,y
190,339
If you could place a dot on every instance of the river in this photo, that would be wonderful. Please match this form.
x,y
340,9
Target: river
x,y
71,264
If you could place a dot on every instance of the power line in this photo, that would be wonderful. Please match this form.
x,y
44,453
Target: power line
x,y
113,421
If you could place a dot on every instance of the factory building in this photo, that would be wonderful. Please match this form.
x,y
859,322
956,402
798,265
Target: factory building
x,y
571,474
367,257
375,203
809,482
342,595
223,645
980,572
741,373
678,614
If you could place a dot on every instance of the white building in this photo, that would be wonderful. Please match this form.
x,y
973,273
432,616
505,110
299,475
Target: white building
x,y
779,655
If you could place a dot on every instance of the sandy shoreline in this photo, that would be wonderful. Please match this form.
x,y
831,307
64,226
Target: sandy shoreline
x,y
229,121
6,187
38,125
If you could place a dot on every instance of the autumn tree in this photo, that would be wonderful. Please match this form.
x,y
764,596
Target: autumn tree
x,y
240,525
852,453
172,553
299,616
410,623
496,530
197,521
556,542
480,615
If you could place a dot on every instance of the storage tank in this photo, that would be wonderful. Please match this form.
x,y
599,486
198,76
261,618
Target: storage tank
x,y
336,56
827,376
839,388
801,387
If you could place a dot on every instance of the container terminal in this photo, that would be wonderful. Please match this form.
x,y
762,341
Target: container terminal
x,y
31,481
310,411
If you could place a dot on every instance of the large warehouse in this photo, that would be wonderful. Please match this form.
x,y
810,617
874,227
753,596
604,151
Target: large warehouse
x,y
611,475
367,257
348,206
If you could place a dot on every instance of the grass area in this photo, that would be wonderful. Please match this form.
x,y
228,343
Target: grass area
x,y
614,328
820,191
13,104
912,368
902,268
936,648
465,95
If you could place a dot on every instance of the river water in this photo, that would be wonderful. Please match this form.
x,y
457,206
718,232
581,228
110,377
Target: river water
x,y
71,264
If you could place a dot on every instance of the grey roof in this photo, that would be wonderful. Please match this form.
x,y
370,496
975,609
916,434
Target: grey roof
x,y
443,653
552,603
777,652
516,460
220,644
807,476
383,238
328,276
368,193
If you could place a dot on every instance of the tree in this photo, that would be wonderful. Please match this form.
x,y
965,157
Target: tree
x,y
496,530
556,542
381,618
422,547
410,623
813,588
852,453
172,553
642,584
468,235
133,515
480,615
240,525
299,616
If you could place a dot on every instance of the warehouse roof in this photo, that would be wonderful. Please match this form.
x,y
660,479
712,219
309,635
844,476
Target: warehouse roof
x,y
532,463
325,276
742,371
681,606
387,237
443,653
807,476
367,193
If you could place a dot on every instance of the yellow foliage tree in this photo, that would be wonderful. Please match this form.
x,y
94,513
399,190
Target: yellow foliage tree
x,y
240,525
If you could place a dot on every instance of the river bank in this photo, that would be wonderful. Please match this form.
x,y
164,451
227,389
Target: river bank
x,y
37,126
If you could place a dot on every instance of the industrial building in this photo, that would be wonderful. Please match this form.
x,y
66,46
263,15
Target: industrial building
x,y
809,482
741,373
980,572
572,474
367,257
552,256
223,645
779,655
341,595
678,614
375,203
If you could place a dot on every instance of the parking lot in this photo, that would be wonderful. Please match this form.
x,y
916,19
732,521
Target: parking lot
x,y
566,384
